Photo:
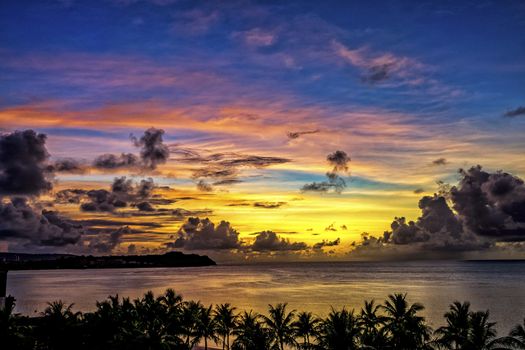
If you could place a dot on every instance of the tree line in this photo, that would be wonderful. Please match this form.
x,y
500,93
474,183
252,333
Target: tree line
x,y
167,322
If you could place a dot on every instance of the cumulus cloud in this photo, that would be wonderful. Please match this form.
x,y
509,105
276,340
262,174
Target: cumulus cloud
x,y
203,234
491,205
68,165
23,164
112,161
20,221
72,196
123,192
485,209
339,160
516,112
266,241
153,151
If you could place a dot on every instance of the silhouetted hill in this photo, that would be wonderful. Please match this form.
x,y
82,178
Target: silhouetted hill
x,y
13,261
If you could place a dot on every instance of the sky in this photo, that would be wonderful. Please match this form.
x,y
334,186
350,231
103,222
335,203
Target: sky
x,y
273,130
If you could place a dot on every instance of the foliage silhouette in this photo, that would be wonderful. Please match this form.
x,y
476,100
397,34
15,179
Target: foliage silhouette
x,y
167,322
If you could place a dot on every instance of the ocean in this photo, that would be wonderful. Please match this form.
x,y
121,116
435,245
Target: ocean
x,y
497,286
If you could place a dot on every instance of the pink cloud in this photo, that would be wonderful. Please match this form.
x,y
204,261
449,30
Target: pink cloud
x,y
257,37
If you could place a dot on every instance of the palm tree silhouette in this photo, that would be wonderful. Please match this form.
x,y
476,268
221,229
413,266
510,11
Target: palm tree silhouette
x,y
305,327
339,331
250,333
455,334
280,324
373,335
226,321
190,323
482,333
12,331
405,328
59,325
517,336
207,327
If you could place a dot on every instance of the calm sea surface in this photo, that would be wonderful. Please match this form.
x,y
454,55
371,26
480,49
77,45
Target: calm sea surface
x,y
498,286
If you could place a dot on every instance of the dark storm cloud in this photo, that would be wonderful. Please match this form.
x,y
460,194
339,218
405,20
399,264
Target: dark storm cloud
x,y
23,164
296,134
517,112
440,161
491,205
106,243
267,241
72,195
488,208
339,161
145,206
269,205
18,220
102,200
112,161
326,243
202,234
123,192
122,185
68,165
152,149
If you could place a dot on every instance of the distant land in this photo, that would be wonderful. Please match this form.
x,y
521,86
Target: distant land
x,y
14,261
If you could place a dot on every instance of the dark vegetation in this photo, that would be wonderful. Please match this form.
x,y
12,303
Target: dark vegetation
x,y
48,262
169,322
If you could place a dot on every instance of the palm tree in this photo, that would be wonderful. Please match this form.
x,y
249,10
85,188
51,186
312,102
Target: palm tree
x,y
517,336
250,333
59,325
280,324
455,334
405,328
482,333
305,327
226,321
12,332
190,323
372,336
339,331
173,305
207,327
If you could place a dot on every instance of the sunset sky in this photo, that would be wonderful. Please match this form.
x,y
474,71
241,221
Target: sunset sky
x,y
301,124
